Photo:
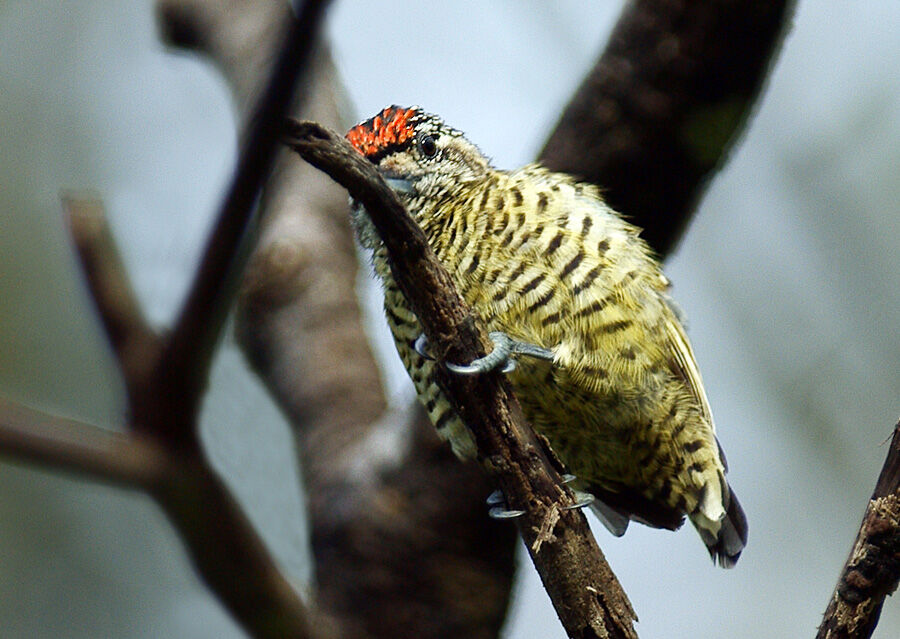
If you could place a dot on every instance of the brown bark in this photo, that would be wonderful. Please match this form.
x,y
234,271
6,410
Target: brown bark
x,y
664,104
872,571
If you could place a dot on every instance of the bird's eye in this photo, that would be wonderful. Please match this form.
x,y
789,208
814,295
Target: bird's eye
x,y
428,145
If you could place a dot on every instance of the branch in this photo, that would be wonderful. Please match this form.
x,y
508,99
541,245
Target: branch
x,y
201,319
166,381
665,103
374,509
584,591
230,556
68,445
225,548
873,569
134,344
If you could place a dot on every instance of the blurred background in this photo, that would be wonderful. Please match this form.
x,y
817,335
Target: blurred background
x,y
788,274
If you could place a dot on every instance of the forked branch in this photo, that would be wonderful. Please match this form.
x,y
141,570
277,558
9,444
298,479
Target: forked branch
x,y
166,379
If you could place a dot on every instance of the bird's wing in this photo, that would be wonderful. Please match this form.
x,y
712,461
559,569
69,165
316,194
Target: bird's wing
x,y
685,366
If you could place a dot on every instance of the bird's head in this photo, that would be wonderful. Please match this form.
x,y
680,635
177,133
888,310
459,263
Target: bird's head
x,y
419,155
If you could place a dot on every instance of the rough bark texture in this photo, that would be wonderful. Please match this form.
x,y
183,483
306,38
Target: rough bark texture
x,y
872,571
587,596
662,107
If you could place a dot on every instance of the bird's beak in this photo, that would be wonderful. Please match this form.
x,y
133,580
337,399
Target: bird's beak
x,y
400,185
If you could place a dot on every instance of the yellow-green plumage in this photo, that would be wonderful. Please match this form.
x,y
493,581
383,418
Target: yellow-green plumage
x,y
544,260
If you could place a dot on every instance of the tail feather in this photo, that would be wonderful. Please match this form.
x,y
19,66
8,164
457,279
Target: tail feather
x,y
725,536
726,547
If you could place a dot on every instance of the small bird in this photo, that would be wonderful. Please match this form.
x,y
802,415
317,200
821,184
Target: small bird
x,y
603,368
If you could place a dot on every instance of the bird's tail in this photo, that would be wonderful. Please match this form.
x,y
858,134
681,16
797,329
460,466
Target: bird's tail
x,y
726,540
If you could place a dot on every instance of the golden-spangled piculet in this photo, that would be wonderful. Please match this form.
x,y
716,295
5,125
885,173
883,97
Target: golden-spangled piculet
x,y
544,260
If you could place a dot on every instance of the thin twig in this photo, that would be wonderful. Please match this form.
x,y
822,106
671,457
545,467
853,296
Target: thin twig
x,y
68,445
872,571
134,344
201,319
587,597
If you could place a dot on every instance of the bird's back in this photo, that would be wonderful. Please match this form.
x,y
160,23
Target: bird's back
x,y
544,260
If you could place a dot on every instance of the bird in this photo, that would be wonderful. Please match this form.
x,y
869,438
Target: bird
x,y
600,361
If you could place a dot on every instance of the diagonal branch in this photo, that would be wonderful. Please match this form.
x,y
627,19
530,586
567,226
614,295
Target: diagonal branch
x,y
229,554
68,445
664,104
587,596
872,571
298,321
134,344
201,319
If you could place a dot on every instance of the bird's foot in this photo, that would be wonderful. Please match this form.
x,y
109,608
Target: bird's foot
x,y
501,358
582,498
498,509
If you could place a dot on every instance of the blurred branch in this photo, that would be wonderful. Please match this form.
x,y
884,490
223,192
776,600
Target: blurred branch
x,y
584,591
664,104
872,571
68,445
224,546
132,341
382,491
200,321
166,377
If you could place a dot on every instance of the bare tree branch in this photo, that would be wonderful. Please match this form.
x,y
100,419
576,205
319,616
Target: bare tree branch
x,y
223,545
68,445
873,569
167,376
229,554
383,492
200,321
586,594
134,344
664,104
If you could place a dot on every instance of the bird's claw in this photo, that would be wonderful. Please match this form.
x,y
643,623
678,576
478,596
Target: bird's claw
x,y
420,346
501,357
498,509
582,499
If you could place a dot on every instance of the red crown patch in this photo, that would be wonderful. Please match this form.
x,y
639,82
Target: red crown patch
x,y
390,127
